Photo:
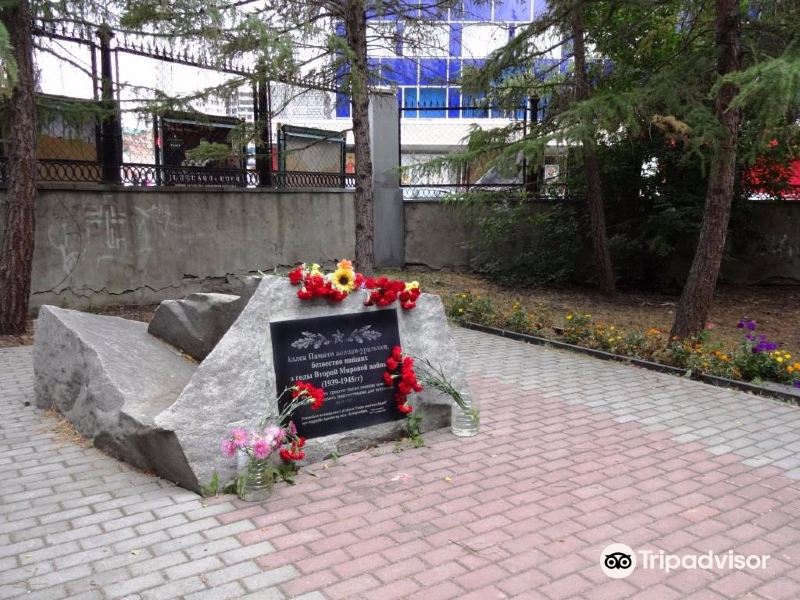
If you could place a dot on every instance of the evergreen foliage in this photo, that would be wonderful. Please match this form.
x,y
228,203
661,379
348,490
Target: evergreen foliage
x,y
651,115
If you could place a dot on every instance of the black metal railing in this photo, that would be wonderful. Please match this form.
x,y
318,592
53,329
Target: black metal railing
x,y
435,191
151,175
308,179
69,170
148,175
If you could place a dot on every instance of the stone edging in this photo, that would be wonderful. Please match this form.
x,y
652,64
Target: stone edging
x,y
742,386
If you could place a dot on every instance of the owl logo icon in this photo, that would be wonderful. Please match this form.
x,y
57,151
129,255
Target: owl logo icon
x,y
618,561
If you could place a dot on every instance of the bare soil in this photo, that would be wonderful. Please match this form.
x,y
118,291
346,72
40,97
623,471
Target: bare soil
x,y
775,309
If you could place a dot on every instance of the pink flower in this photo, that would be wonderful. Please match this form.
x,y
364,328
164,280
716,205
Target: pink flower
x,y
229,447
261,448
240,437
274,435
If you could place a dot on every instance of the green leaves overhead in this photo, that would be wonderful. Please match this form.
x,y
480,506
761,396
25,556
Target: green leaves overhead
x,y
652,62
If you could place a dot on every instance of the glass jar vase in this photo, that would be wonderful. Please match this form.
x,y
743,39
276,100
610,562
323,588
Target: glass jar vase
x,y
465,420
256,478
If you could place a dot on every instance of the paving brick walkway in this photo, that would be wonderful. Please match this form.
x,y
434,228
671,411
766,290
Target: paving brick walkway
x,y
574,454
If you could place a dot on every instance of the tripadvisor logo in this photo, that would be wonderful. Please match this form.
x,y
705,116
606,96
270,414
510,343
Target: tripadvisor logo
x,y
619,561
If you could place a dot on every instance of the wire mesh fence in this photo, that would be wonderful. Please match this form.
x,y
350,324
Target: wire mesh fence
x,y
432,134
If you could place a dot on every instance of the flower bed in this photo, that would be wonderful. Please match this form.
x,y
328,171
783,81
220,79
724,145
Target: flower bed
x,y
756,359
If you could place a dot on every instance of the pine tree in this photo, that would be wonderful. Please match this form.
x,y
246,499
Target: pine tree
x,y
525,68
698,293
16,252
675,70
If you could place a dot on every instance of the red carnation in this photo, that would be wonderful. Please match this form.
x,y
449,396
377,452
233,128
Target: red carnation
x,y
296,275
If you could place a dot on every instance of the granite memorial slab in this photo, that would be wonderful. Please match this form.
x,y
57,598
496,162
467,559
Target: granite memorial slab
x,y
182,410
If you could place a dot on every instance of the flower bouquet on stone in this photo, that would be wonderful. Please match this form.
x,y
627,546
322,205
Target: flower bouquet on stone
x,y
269,452
339,284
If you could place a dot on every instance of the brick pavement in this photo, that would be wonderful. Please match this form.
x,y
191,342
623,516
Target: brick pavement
x,y
575,453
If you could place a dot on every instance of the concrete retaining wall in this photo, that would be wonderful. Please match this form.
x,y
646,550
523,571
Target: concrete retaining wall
x,y
437,238
771,254
97,247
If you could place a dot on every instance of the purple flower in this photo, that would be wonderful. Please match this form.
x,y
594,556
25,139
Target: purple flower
x,y
761,344
745,323
797,383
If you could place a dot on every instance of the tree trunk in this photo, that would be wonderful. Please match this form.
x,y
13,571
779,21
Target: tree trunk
x,y
698,293
16,253
356,26
594,190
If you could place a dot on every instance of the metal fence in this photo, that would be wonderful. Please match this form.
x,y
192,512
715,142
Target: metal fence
x,y
430,133
86,141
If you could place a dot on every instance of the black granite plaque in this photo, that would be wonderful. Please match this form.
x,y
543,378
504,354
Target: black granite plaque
x,y
345,355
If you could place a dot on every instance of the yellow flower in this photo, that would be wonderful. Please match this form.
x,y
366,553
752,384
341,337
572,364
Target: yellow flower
x,y
314,269
779,359
344,280
569,317
460,311
413,285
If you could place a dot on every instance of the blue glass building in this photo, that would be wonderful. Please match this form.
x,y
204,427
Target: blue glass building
x,y
426,73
